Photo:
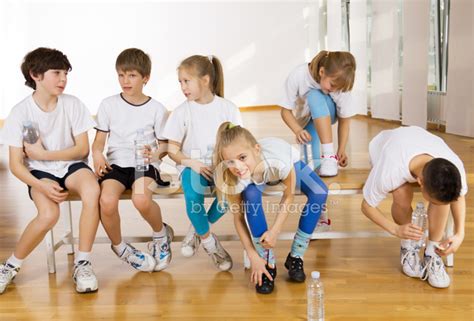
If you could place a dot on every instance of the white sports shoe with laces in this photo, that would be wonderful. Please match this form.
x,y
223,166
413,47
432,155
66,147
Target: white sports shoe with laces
x,y
435,272
410,260
329,166
7,274
190,243
84,277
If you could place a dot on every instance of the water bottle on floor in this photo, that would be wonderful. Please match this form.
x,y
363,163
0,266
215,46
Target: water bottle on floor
x,y
315,292
141,164
420,218
30,132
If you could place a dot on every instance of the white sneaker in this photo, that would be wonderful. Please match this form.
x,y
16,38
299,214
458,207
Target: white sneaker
x,y
435,272
410,260
328,166
160,249
137,259
324,224
84,277
220,257
7,274
190,243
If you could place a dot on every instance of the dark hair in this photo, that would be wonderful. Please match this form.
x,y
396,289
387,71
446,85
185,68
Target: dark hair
x,y
207,65
134,59
338,64
442,180
40,60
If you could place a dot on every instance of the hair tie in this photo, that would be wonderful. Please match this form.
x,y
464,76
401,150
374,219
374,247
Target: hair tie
x,y
327,54
210,57
231,125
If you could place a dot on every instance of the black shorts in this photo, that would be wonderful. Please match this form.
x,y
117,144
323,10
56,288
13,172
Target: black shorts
x,y
62,181
128,175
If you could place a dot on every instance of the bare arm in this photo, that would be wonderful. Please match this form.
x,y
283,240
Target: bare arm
x,y
80,150
101,166
342,136
452,244
302,135
175,153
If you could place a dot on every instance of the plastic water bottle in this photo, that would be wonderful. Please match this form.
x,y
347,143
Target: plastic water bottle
x,y
420,218
208,156
315,291
30,132
140,145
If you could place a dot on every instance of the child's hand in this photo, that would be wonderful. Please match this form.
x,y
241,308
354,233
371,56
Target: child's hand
x,y
101,166
258,266
409,231
53,191
201,168
148,154
269,239
303,137
342,159
35,151
450,245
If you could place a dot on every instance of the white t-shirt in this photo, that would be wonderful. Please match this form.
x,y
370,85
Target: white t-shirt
x,y
297,86
122,120
278,157
198,123
57,129
390,154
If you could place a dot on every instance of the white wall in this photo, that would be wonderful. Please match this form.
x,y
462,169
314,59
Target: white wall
x,y
258,43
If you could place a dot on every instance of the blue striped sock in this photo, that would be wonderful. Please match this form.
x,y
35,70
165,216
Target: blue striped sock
x,y
300,243
265,254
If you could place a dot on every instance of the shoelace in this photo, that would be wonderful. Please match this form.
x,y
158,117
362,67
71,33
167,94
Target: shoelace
x,y
132,257
6,272
432,267
83,270
409,253
296,263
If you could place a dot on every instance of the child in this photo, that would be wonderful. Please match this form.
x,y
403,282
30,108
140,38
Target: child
x,y
56,163
407,155
246,166
191,131
119,118
319,94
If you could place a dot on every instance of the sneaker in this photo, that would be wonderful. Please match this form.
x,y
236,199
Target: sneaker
x,y
137,259
328,166
160,249
84,277
220,257
267,285
435,272
410,260
190,243
324,224
294,265
7,274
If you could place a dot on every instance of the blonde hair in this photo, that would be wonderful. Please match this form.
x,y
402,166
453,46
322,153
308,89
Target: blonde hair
x,y
338,64
227,134
207,66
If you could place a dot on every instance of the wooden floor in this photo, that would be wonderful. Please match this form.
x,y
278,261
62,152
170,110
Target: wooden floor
x,y
362,277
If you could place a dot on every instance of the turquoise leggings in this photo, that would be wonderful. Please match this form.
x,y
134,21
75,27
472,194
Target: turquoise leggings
x,y
194,187
320,105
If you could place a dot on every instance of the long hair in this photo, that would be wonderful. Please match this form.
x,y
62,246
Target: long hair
x,y
338,64
207,66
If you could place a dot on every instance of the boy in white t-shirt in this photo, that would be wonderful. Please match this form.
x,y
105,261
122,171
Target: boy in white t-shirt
x,y
408,155
317,95
54,164
118,119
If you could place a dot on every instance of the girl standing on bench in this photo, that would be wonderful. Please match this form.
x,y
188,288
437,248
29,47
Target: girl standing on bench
x,y
245,166
191,131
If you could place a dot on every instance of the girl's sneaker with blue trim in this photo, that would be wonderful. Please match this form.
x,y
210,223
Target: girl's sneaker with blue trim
x,y
84,277
137,259
190,243
7,274
160,249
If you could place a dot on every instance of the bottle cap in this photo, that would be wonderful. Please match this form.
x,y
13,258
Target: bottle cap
x,y
420,205
27,123
315,274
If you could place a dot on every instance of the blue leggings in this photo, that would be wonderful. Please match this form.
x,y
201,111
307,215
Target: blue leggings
x,y
320,105
310,184
194,186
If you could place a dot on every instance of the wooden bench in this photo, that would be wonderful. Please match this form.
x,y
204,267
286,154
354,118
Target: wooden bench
x,y
348,182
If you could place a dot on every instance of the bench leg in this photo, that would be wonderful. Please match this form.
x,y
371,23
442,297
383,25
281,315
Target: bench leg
x,y
449,233
49,242
69,230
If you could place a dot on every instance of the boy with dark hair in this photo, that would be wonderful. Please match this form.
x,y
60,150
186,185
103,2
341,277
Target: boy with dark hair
x,y
118,118
407,155
56,163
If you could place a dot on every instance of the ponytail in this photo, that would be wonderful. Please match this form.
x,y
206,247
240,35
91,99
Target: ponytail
x,y
207,66
338,64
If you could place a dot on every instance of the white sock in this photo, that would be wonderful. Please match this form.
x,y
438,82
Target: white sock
x,y
209,244
430,248
160,234
120,247
327,149
13,260
405,243
82,256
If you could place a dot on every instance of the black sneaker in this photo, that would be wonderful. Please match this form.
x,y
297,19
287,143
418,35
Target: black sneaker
x,y
295,268
267,285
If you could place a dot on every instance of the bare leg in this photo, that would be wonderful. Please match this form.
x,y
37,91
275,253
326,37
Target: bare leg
x,y
143,202
437,219
401,206
109,214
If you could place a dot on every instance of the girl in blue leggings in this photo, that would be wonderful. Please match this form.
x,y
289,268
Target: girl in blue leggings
x,y
245,167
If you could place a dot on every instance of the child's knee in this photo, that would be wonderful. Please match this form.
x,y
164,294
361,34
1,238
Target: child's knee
x,y
48,218
108,203
91,196
142,202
